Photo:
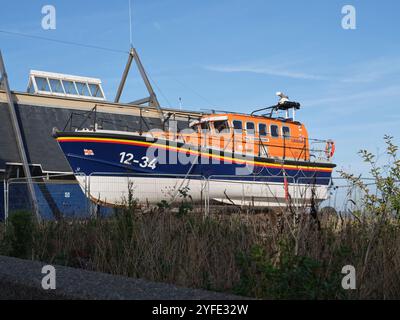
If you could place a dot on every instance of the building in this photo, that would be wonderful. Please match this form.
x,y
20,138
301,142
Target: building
x,y
58,101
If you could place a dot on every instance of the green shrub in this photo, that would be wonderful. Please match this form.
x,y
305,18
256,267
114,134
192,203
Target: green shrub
x,y
18,239
385,199
285,277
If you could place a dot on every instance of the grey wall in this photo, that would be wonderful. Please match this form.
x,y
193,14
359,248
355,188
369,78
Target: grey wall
x,y
8,147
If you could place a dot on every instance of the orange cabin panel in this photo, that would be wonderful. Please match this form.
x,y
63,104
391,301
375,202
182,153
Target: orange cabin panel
x,y
252,135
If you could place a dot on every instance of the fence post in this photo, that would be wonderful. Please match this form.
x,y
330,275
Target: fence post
x,y
86,195
90,207
5,200
207,197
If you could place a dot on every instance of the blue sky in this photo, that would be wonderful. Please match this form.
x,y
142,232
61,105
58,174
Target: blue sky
x,y
231,55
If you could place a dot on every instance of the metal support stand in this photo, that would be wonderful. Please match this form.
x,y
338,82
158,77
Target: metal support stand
x,y
152,99
18,137
124,76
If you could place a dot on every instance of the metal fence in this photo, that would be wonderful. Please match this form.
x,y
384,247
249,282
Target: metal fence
x,y
54,198
2,197
345,197
81,198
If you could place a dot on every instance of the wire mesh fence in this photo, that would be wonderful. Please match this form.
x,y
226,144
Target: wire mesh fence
x,y
99,194
115,188
346,197
55,199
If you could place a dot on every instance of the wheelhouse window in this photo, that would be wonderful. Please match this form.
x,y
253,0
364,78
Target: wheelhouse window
x,y
238,126
274,131
250,128
221,126
262,129
286,132
205,126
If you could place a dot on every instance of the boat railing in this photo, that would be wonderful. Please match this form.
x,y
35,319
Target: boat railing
x,y
304,149
309,150
77,116
319,150
92,120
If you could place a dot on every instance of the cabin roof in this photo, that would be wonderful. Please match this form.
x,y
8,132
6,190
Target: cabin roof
x,y
243,117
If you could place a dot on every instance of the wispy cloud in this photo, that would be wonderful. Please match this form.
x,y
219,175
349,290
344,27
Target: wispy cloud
x,y
368,71
271,71
386,92
372,70
357,126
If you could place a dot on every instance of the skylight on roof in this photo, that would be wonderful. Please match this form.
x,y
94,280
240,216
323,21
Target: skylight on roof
x,y
65,85
69,87
42,84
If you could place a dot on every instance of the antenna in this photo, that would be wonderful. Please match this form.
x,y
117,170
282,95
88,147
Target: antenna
x,y
130,23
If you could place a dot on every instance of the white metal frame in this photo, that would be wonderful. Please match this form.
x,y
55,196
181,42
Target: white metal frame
x,y
65,77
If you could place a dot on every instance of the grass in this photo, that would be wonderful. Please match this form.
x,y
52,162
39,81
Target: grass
x,y
290,255
229,253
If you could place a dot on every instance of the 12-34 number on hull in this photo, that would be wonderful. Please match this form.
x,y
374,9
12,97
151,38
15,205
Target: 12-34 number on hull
x,y
144,162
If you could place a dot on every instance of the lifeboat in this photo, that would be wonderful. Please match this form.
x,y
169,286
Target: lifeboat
x,y
263,159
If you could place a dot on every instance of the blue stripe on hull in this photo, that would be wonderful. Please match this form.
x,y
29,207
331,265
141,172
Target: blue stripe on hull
x,y
107,157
